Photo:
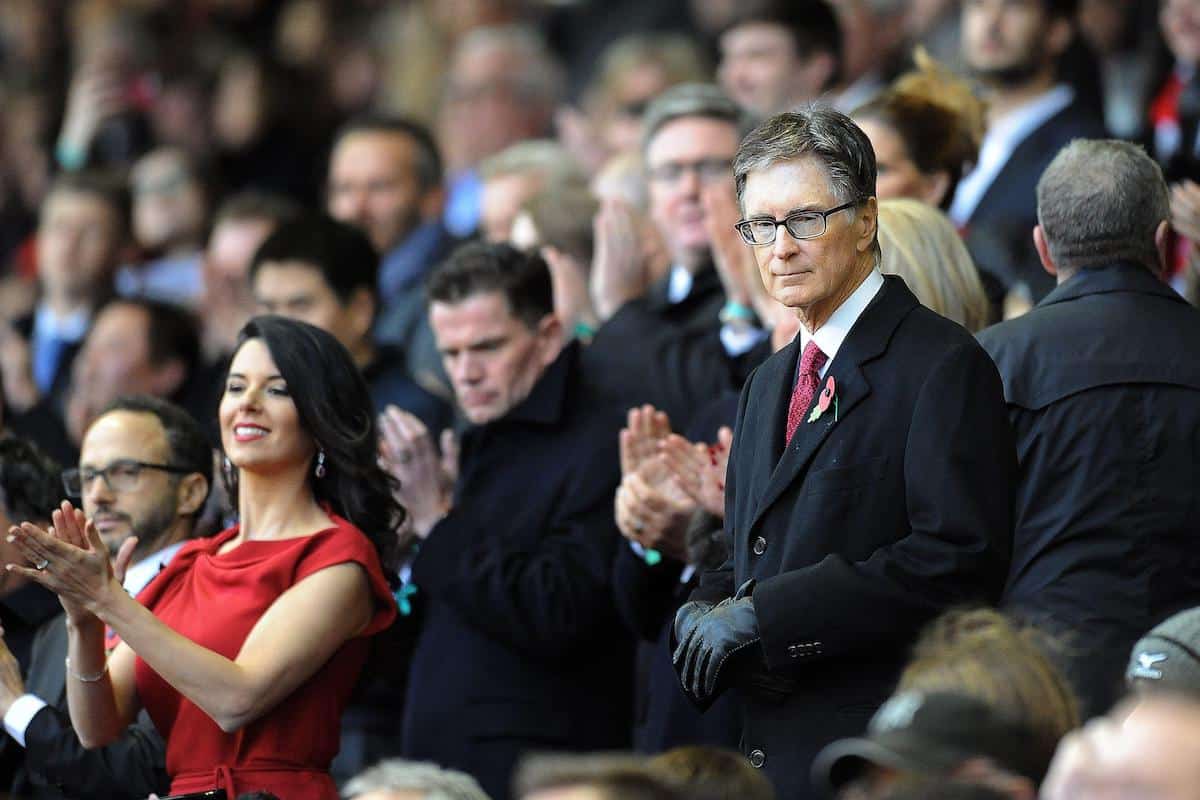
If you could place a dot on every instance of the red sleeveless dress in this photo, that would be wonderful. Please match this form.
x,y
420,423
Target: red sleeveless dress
x,y
215,600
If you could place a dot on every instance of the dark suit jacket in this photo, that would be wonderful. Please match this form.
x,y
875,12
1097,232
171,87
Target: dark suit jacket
x,y
867,526
1000,230
520,646
57,765
1102,381
669,354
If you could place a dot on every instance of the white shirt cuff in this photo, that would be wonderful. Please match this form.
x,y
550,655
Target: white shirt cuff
x,y
20,714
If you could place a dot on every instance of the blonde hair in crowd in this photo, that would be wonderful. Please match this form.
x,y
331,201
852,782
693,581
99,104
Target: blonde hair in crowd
x,y
919,243
985,654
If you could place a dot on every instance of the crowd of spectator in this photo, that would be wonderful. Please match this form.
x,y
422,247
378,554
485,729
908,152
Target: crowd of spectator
x,y
579,399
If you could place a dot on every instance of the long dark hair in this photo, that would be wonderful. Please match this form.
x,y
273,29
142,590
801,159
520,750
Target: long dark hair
x,y
335,407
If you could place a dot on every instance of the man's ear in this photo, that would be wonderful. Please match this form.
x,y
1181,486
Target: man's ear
x,y
549,334
935,186
1059,35
1162,243
818,72
1043,251
190,494
432,203
869,217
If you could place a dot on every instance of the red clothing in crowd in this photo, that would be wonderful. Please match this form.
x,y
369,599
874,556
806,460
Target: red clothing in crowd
x,y
215,600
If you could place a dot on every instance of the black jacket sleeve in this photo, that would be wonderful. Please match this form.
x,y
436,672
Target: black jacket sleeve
x,y
128,769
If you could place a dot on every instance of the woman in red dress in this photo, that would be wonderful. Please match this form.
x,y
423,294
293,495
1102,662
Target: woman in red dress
x,y
247,646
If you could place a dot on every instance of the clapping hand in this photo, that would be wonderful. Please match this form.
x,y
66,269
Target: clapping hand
x,y
653,511
645,427
406,451
71,560
619,272
699,469
11,684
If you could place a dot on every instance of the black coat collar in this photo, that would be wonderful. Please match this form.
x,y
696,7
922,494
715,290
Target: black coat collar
x,y
1119,276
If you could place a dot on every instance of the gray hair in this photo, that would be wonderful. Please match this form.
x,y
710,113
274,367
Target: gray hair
x,y
544,157
819,131
398,775
1099,201
689,100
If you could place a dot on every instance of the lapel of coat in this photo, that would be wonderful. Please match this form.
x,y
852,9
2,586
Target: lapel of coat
x,y
867,340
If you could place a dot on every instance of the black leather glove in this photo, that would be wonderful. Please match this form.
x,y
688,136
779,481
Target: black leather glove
x,y
686,618
729,627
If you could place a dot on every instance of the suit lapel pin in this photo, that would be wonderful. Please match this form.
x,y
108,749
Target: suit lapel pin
x,y
828,398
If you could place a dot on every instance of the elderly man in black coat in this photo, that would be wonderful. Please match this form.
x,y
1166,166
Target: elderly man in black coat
x,y
1102,381
871,478
520,647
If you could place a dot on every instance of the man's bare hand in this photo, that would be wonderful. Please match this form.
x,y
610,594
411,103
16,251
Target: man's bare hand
x,y
653,511
618,268
406,451
645,427
699,469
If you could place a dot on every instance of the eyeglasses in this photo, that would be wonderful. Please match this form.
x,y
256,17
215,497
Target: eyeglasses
x,y
121,475
709,170
801,225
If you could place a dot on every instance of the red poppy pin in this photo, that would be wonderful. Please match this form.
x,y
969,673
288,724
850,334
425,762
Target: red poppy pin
x,y
828,398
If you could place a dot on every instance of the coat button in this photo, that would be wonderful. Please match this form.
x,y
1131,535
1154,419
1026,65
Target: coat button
x,y
757,758
760,546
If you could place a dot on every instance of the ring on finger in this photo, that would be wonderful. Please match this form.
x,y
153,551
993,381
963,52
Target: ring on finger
x,y
41,564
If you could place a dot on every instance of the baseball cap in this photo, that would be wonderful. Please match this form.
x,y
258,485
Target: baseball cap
x,y
1169,655
932,733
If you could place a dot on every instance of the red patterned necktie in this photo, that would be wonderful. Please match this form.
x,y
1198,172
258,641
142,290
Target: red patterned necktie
x,y
806,386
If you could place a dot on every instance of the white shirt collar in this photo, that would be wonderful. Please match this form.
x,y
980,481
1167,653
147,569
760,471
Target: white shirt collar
x,y
1000,142
829,337
679,285
141,573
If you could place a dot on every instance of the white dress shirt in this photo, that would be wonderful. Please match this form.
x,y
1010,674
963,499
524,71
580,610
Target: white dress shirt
x,y
829,337
1000,142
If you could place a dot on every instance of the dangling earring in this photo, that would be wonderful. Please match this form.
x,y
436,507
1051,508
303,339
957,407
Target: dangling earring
x,y
320,470
227,466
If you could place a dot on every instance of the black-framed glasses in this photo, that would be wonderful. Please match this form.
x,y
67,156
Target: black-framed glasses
x,y
121,475
801,225
709,170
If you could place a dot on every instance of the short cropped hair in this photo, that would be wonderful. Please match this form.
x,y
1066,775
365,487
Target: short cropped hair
x,y
544,157
398,775
30,482
428,156
342,253
479,267
704,100
1099,201
255,205
172,332
190,448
